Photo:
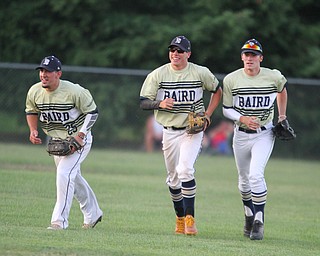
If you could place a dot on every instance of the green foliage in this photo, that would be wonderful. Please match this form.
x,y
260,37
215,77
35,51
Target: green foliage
x,y
138,215
135,34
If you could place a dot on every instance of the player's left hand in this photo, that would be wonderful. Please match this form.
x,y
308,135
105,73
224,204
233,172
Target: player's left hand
x,y
64,147
283,131
197,122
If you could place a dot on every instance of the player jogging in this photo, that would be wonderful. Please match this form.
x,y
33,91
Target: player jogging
x,y
172,91
249,94
65,109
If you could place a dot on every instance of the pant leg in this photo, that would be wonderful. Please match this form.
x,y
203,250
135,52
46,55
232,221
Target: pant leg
x,y
242,154
87,200
261,152
171,153
189,151
180,154
71,184
67,169
252,152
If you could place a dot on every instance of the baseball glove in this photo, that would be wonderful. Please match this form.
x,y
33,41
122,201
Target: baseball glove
x,y
63,147
197,122
284,131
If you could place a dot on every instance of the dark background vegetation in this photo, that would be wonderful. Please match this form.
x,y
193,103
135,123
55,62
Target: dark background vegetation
x,y
135,35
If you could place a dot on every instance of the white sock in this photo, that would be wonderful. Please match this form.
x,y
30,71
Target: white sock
x,y
247,211
259,216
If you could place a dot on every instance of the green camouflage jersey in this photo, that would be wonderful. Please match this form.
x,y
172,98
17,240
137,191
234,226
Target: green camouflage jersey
x,y
185,86
253,95
62,111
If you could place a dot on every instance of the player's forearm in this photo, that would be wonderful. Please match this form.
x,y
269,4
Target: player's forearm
x,y
32,121
231,114
148,104
214,102
89,121
282,99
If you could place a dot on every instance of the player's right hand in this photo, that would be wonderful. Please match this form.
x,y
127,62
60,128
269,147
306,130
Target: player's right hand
x,y
34,137
251,122
167,103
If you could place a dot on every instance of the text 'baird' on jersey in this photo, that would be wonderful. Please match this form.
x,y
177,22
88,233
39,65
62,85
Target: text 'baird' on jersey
x,y
180,95
253,101
53,116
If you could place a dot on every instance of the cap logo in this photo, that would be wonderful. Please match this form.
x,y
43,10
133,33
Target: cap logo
x,y
178,40
46,62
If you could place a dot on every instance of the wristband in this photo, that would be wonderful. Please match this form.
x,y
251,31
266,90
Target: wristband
x,y
282,117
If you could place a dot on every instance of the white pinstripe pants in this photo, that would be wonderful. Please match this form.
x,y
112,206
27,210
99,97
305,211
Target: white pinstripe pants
x,y
70,183
252,152
181,151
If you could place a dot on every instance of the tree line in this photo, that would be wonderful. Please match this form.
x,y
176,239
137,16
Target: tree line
x,y
135,34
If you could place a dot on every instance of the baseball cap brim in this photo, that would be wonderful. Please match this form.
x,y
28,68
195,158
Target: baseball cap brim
x,y
180,46
46,68
251,51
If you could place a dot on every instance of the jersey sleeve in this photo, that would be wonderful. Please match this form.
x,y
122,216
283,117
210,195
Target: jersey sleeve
x,y
31,107
280,80
211,83
85,101
150,86
227,94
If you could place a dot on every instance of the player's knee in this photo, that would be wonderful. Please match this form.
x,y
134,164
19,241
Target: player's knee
x,y
186,176
256,181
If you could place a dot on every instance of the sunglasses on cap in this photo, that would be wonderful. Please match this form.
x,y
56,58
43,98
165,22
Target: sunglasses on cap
x,y
253,45
173,49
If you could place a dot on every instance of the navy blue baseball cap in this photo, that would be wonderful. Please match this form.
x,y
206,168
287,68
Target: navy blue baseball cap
x,y
182,42
50,63
252,46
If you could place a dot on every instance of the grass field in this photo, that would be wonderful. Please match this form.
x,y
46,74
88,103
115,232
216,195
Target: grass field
x,y
138,214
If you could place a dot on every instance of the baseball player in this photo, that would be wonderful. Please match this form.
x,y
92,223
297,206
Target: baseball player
x,y
64,109
249,94
172,91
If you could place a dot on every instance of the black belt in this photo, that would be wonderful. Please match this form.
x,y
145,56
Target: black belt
x,y
174,128
251,131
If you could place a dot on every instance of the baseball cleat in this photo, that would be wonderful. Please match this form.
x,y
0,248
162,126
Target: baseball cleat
x,y
190,225
257,230
92,225
248,225
54,227
180,225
